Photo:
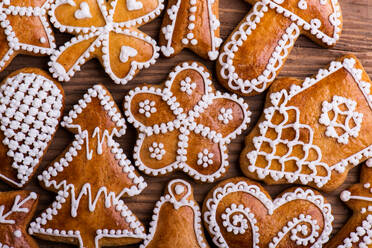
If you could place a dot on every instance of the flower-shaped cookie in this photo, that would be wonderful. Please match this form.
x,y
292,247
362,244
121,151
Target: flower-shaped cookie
x,y
108,31
191,125
24,29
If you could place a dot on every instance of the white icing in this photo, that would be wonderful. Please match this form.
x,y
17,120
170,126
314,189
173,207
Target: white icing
x,y
185,123
177,203
101,41
83,12
240,216
147,108
192,29
369,162
187,86
157,150
17,233
225,115
179,189
313,238
16,208
67,189
302,4
205,158
30,106
134,5
280,53
350,115
279,102
7,11
127,52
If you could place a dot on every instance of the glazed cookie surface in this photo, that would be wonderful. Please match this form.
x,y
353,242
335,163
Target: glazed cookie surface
x,y
185,125
239,213
313,132
107,30
176,221
31,105
16,211
357,232
257,49
24,29
193,24
90,177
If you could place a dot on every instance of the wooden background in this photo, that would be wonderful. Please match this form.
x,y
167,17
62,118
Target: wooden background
x,y
305,59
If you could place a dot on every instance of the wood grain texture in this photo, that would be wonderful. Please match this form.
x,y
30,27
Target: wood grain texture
x,y
305,59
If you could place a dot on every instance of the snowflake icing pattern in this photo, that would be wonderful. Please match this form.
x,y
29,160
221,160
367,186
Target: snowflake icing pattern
x,y
106,30
350,117
186,124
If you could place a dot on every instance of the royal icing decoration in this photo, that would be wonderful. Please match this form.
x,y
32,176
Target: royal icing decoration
x,y
107,30
31,104
295,142
25,29
16,210
357,232
250,59
193,24
193,135
176,219
240,213
350,120
90,178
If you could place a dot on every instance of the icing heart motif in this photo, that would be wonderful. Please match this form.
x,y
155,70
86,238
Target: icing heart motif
x,y
240,213
126,52
83,12
30,108
134,5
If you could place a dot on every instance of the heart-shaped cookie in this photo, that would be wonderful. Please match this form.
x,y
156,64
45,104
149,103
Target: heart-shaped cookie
x,y
31,104
240,213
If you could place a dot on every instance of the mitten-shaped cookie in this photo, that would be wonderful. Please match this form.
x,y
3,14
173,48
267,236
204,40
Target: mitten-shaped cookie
x,y
176,221
258,47
240,213
185,125
313,132
31,105
90,177
16,211
108,31
24,29
193,24
357,232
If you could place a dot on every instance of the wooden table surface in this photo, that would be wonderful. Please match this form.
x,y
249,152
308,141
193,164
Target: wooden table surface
x,y
305,59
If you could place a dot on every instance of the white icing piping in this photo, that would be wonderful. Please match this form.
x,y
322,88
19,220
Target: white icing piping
x,y
185,123
27,121
13,41
280,52
111,199
170,198
16,208
299,194
349,65
102,40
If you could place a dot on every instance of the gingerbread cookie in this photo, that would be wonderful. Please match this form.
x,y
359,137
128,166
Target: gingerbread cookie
x,y
193,24
176,221
357,232
31,105
107,30
240,213
313,132
257,49
16,211
90,178
185,125
24,29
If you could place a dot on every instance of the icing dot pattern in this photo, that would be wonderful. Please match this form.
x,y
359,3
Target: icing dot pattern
x,y
30,106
